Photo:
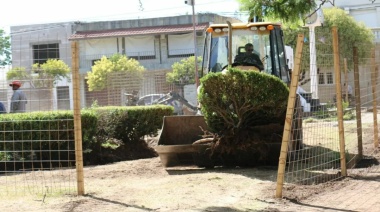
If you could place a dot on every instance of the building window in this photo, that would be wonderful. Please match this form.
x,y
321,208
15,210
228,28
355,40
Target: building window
x,y
148,56
140,47
321,78
330,79
63,97
181,45
325,78
43,52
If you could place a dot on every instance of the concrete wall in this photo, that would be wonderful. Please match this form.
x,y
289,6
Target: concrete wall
x,y
24,37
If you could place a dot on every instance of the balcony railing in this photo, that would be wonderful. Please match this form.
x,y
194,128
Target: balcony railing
x,y
147,55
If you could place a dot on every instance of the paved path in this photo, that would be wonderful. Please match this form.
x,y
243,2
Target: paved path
x,y
360,194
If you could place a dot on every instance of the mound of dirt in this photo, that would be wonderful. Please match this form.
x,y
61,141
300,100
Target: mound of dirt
x,y
125,152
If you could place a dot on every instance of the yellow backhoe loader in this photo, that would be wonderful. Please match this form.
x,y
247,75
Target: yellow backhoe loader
x,y
247,46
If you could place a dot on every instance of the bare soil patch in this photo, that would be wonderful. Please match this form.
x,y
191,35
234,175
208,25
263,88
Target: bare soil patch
x,y
145,185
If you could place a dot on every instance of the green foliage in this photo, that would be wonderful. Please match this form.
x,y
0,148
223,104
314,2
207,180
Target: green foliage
x,y
349,115
351,33
321,113
310,120
284,10
5,49
18,73
39,135
34,133
330,112
5,156
129,124
95,104
238,100
183,71
111,145
98,78
50,72
345,105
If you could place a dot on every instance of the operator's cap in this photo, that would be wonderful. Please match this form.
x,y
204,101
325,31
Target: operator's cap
x,y
18,83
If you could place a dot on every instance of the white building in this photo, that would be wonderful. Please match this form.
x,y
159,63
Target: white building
x,y
155,42
362,11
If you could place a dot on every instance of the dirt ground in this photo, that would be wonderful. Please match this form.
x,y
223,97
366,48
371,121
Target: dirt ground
x,y
145,185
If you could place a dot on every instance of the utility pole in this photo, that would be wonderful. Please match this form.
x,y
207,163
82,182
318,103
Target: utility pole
x,y
313,64
313,20
192,3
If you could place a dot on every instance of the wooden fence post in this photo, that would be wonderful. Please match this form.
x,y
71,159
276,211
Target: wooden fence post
x,y
339,101
345,80
374,96
289,116
77,118
358,103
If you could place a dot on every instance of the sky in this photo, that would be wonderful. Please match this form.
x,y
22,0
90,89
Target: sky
x,y
25,12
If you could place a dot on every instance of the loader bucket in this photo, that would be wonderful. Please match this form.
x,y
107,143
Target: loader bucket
x,y
175,145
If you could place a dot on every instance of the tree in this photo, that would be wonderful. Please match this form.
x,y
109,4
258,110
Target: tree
x,y
50,72
351,33
293,12
284,10
18,73
5,52
183,71
117,63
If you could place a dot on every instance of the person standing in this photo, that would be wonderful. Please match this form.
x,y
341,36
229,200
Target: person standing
x,y
18,100
347,89
2,108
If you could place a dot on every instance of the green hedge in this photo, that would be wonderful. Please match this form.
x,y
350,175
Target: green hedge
x,y
130,123
42,130
42,135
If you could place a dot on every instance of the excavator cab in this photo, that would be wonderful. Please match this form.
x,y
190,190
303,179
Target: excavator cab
x,y
226,45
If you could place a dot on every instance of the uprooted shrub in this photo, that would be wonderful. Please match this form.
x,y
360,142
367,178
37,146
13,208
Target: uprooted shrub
x,y
242,110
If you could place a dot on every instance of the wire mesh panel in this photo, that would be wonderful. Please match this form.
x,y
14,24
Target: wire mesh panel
x,y
121,86
318,142
359,123
349,86
37,148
